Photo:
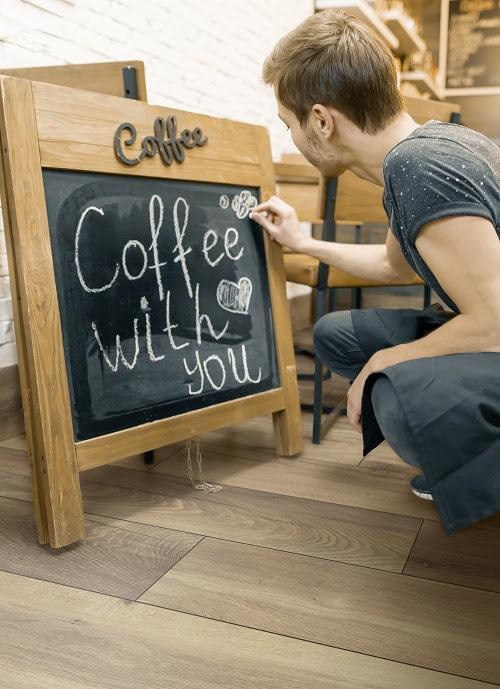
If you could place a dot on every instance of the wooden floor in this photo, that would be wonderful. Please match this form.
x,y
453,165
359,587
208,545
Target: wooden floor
x,y
316,572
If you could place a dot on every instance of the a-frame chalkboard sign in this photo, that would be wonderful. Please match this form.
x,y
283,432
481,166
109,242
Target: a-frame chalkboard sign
x,y
149,308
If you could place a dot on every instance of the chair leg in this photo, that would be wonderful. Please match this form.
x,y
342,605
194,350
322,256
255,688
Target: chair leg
x,y
427,296
332,299
357,296
318,376
318,395
356,292
311,376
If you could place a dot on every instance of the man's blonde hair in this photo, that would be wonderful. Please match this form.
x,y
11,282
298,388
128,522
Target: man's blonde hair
x,y
332,59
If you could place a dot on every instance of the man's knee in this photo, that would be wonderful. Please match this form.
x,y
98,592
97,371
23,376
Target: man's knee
x,y
332,334
385,402
322,333
392,420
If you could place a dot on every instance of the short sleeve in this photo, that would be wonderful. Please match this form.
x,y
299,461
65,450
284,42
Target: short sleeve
x,y
429,178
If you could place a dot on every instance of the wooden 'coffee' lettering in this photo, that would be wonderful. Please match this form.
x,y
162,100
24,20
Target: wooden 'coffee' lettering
x,y
164,141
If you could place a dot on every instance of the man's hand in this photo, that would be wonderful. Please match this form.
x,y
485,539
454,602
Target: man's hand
x,y
281,222
355,394
354,397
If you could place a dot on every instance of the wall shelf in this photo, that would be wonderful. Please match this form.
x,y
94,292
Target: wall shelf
x,y
363,11
422,81
409,40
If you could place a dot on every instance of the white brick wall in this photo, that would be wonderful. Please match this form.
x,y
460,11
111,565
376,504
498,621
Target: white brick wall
x,y
202,55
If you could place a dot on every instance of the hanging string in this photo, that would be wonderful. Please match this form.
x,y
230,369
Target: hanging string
x,y
204,485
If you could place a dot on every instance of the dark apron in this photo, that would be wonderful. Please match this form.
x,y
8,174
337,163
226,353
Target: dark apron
x,y
452,405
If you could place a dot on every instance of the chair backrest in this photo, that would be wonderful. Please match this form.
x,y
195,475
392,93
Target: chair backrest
x,y
101,77
423,110
357,201
297,183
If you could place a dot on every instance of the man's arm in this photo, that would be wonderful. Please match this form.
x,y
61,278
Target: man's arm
x,y
378,262
464,255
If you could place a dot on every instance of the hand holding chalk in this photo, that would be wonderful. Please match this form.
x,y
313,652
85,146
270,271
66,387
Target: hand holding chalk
x,y
281,222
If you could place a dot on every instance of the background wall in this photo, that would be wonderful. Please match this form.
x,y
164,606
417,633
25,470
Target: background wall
x,y
202,55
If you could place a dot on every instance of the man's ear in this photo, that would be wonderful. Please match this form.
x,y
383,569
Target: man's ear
x,y
322,120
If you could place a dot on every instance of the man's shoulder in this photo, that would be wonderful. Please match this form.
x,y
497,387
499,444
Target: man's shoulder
x,y
441,144
441,171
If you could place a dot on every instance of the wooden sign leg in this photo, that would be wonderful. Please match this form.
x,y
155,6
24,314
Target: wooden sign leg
x,y
65,519
39,511
44,386
288,430
38,489
287,422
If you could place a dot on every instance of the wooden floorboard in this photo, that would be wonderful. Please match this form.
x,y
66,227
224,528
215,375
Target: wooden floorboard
x,y
385,462
386,615
320,529
305,478
112,559
342,446
11,418
323,530
335,476
18,442
470,557
256,436
14,460
62,638
329,547
15,477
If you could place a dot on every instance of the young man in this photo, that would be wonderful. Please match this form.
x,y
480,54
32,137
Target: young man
x,y
426,380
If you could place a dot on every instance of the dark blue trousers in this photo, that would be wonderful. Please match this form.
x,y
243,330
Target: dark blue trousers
x,y
440,413
339,349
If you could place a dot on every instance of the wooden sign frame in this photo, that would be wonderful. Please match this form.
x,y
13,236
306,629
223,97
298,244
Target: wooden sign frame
x,y
123,78
102,77
48,126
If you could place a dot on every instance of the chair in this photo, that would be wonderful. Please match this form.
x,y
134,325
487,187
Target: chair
x,y
344,200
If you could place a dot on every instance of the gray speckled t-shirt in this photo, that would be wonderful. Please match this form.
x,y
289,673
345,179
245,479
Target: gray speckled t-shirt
x,y
439,170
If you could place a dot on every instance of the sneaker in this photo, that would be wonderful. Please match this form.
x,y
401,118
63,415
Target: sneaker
x,y
419,487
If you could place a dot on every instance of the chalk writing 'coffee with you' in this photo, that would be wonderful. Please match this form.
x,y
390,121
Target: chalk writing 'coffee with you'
x,y
136,258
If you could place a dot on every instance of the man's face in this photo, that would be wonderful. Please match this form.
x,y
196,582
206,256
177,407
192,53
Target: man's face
x,y
317,148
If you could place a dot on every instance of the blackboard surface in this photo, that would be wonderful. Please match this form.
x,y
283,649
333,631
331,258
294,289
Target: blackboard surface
x,y
163,296
473,59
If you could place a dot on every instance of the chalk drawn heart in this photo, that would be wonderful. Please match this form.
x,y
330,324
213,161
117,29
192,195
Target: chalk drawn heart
x,y
234,297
